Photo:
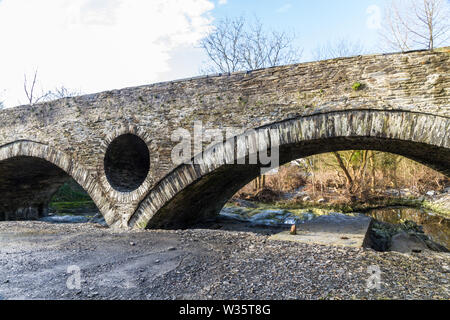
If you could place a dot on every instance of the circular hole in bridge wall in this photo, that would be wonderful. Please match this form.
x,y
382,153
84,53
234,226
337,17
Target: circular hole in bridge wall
x,y
127,162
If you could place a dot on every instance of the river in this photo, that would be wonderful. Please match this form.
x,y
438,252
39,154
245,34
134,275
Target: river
x,y
436,227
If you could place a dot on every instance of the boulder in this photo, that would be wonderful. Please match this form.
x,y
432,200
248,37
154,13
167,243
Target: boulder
x,y
407,243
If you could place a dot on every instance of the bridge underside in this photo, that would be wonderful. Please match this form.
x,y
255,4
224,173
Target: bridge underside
x,y
205,198
26,186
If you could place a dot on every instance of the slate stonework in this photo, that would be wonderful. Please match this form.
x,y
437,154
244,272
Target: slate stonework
x,y
402,106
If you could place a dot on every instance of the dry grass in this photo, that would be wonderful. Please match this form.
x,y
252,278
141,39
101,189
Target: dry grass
x,y
372,174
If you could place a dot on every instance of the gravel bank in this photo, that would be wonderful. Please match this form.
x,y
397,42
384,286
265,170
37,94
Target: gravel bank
x,y
202,264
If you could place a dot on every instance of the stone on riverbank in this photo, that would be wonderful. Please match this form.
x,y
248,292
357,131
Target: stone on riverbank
x,y
407,243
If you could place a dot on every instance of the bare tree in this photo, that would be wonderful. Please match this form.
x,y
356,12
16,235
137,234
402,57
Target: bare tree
x,y
223,45
416,24
261,49
236,45
338,49
63,92
57,93
30,90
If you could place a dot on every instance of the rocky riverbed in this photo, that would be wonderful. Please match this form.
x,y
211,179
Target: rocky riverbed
x,y
204,263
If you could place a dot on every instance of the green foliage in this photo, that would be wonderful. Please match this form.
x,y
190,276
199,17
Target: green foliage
x,y
66,207
70,192
357,86
71,199
356,157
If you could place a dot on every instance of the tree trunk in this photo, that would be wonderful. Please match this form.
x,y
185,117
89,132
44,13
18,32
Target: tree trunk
x,y
342,166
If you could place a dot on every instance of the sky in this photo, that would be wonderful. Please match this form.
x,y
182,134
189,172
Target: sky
x,y
96,45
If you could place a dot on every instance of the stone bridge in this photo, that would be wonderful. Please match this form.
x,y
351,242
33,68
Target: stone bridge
x,y
118,144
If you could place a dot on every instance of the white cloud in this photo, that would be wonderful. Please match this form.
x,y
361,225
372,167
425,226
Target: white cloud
x,y
94,45
223,2
284,8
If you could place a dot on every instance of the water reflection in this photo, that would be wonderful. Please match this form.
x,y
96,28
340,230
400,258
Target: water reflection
x,y
436,227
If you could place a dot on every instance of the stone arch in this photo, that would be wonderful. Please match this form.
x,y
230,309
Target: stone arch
x,y
58,164
192,192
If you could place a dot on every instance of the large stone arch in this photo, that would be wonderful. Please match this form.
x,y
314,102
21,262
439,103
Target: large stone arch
x,y
39,161
193,192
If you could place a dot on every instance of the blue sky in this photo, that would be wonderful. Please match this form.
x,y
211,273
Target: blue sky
x,y
315,22
97,45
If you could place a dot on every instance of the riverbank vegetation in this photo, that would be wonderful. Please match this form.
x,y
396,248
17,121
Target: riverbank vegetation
x,y
348,181
71,198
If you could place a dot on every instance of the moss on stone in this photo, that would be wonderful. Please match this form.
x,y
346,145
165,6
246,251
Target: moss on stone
x,y
357,86
437,208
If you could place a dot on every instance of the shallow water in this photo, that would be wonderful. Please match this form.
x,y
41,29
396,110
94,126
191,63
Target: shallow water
x,y
267,216
436,227
70,218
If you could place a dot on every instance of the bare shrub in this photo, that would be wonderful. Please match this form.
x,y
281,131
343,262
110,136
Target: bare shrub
x,y
361,175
